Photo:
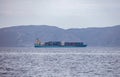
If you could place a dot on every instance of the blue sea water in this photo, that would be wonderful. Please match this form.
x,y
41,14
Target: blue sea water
x,y
60,62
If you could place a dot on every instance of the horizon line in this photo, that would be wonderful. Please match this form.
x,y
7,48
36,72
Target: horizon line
x,y
57,26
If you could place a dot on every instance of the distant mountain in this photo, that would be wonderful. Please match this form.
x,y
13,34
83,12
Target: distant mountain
x,y
25,35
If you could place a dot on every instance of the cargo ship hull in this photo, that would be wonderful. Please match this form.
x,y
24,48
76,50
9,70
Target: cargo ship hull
x,y
54,44
58,46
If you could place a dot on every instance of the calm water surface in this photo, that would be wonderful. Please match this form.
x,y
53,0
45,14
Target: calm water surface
x,y
60,62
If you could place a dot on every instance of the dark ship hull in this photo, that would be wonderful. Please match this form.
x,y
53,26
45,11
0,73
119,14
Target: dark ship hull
x,y
53,44
58,46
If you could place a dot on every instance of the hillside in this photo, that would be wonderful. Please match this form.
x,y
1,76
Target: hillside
x,y
23,36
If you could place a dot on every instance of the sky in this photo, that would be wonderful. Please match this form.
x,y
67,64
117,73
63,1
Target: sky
x,y
60,13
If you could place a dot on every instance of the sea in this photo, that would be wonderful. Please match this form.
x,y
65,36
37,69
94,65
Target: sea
x,y
60,62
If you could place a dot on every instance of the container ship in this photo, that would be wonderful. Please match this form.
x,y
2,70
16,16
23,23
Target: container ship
x,y
39,44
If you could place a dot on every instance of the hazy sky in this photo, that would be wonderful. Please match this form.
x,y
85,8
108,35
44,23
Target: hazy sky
x,y
61,13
